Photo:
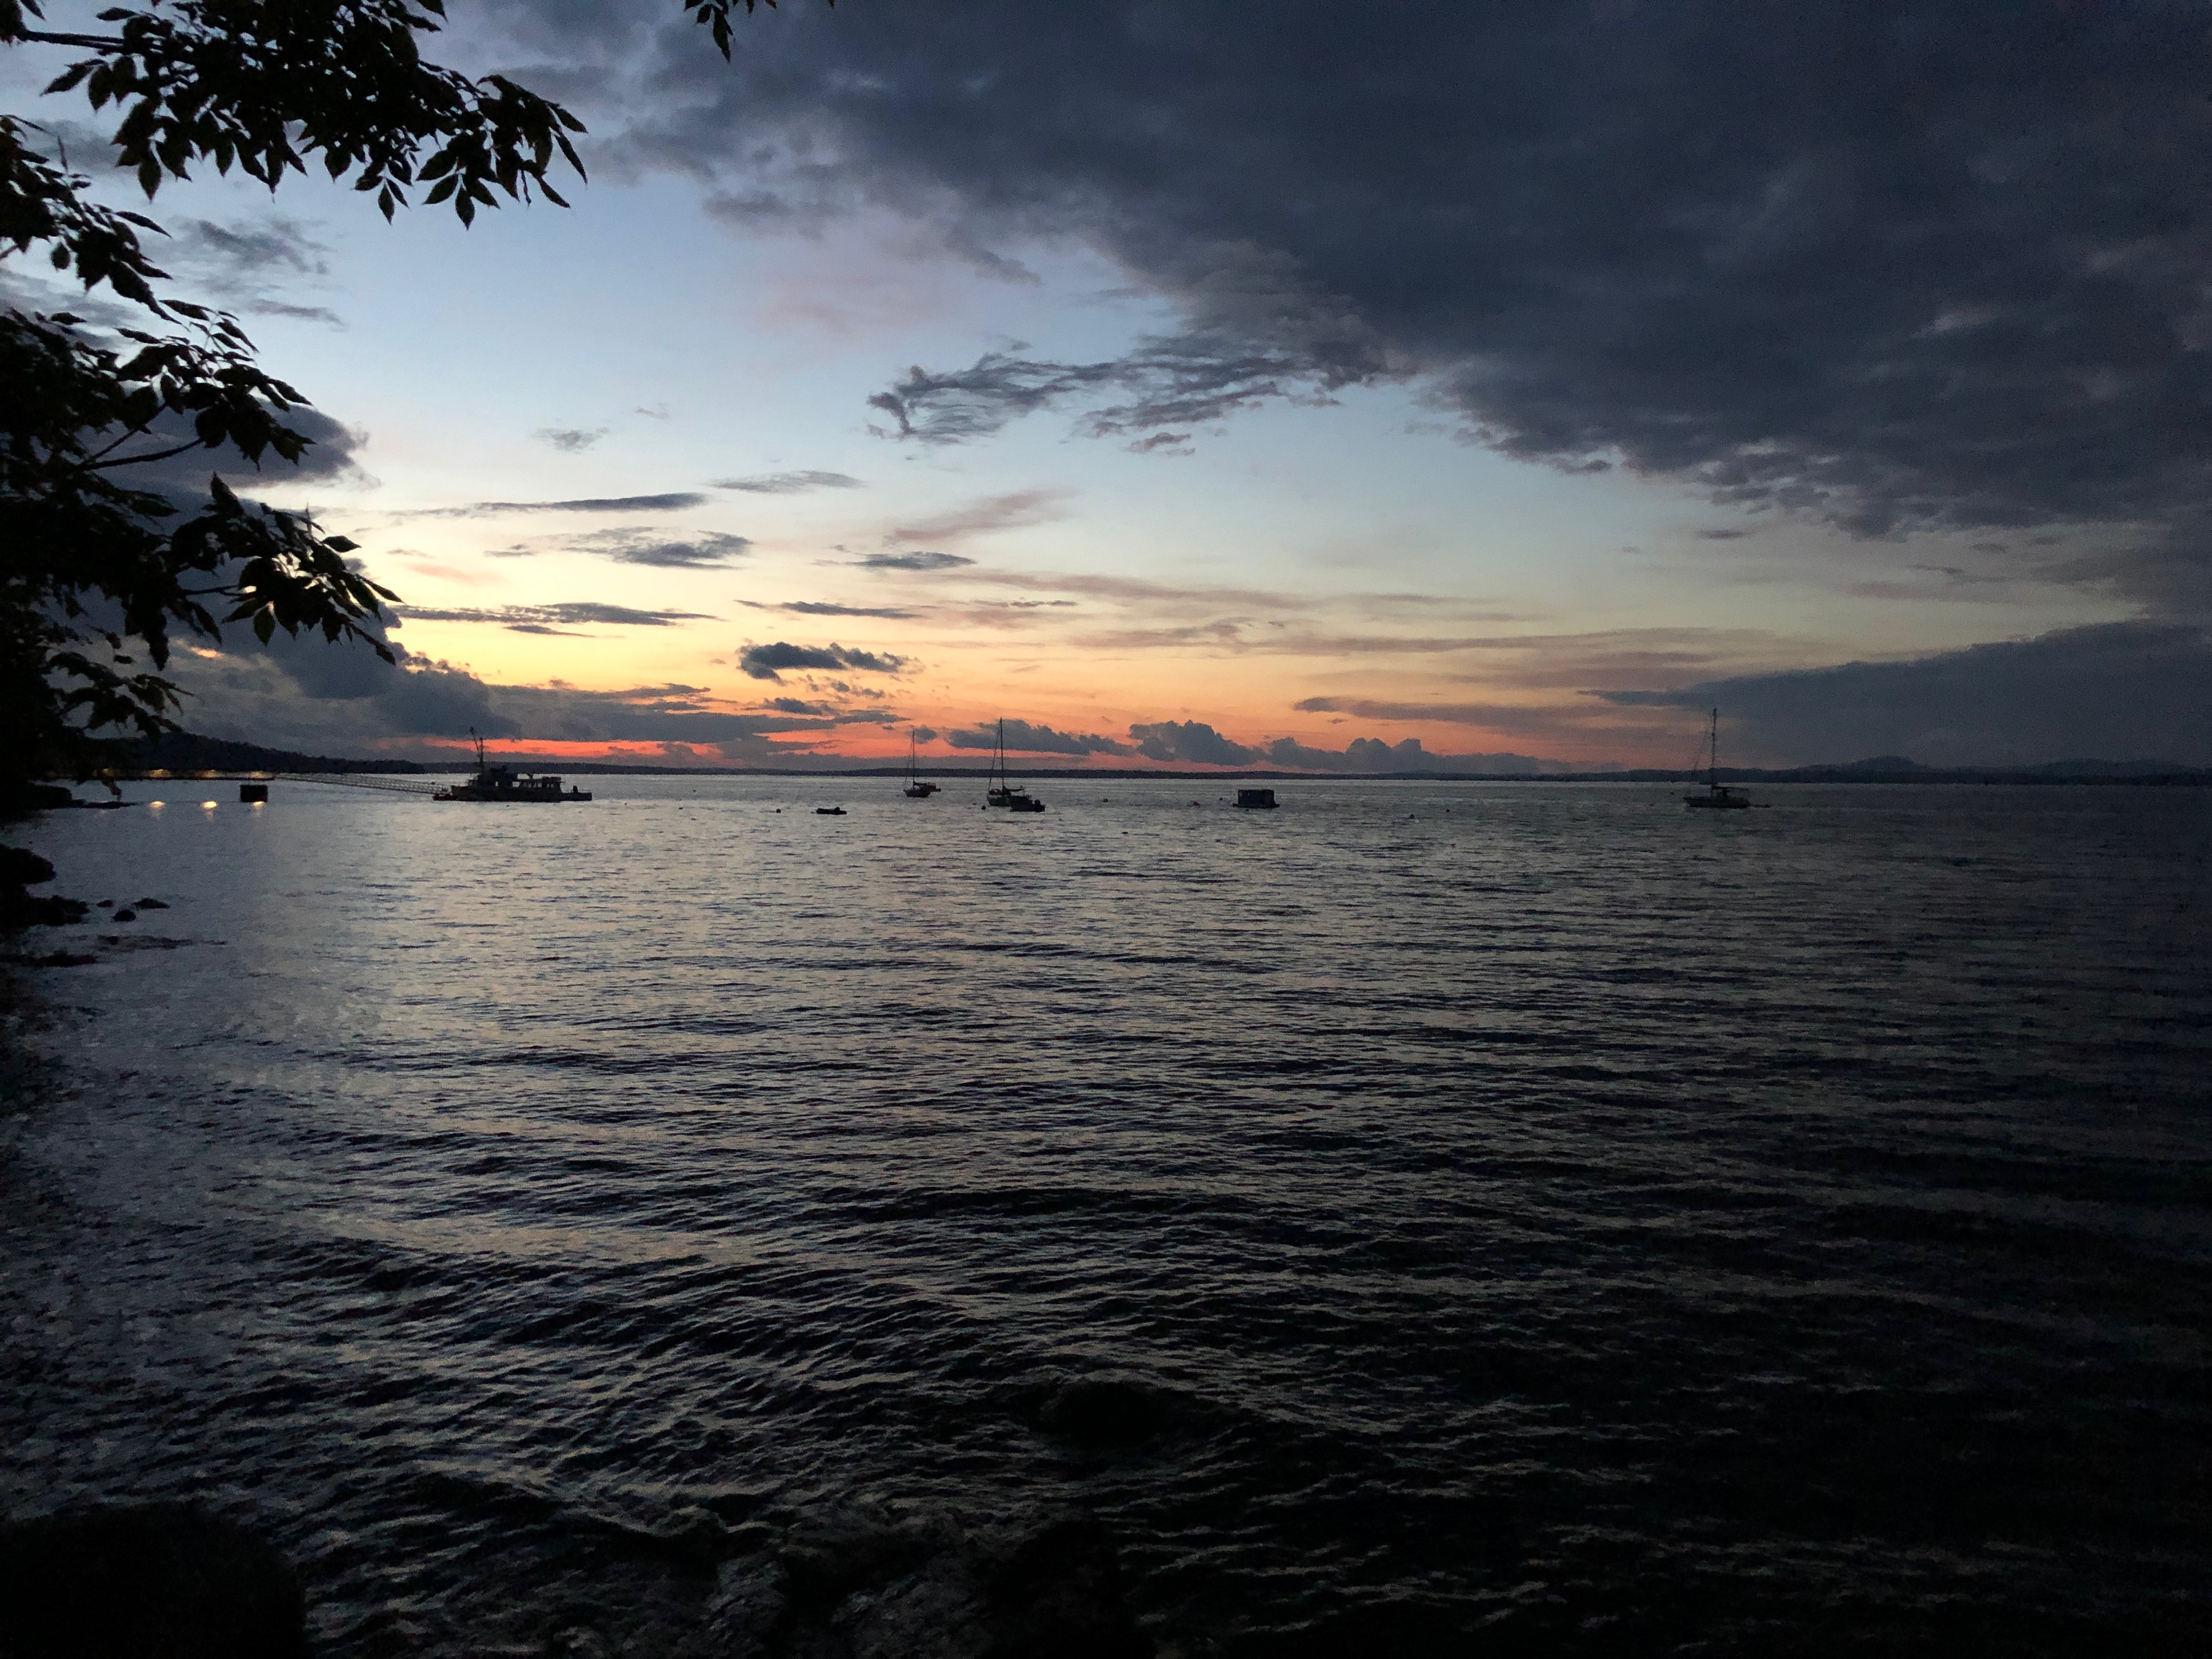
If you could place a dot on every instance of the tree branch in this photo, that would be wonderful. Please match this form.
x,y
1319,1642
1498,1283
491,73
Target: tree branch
x,y
133,460
90,42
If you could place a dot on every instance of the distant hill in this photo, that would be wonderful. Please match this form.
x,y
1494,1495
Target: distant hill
x,y
1880,766
183,751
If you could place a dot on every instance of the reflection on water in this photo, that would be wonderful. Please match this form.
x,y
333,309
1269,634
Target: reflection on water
x,y
1419,1208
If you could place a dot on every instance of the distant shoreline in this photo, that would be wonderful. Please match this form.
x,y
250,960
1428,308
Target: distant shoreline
x,y
184,754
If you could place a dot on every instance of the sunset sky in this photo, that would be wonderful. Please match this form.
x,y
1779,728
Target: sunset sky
x,y
1262,384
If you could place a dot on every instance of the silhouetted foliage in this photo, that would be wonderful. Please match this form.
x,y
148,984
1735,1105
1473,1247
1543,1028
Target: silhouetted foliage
x,y
95,575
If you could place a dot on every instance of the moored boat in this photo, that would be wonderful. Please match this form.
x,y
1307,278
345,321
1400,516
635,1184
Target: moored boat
x,y
917,786
505,783
1716,793
1003,791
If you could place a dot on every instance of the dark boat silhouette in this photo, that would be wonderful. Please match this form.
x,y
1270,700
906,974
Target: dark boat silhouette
x,y
1004,791
505,783
1716,794
917,786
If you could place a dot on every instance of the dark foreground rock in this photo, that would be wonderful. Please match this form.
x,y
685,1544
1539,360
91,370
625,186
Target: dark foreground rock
x,y
867,1588
159,1582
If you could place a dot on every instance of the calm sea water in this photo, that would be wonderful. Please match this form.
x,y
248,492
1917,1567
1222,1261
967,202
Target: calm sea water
x,y
1425,1208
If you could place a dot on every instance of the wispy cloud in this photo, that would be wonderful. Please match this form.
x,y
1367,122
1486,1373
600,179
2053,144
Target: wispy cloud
x,y
789,483
675,501
706,549
569,440
234,263
912,561
1008,512
541,618
822,608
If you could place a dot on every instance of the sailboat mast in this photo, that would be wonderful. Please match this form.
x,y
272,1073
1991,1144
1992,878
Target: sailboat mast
x,y
1713,767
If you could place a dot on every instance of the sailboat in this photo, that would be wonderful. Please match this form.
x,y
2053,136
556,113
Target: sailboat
x,y
1717,793
917,786
1004,791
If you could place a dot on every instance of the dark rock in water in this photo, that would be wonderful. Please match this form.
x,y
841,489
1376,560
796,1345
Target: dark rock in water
x,y
107,904
24,867
19,909
20,870
1106,1412
125,915
137,1583
152,904
870,1587
24,798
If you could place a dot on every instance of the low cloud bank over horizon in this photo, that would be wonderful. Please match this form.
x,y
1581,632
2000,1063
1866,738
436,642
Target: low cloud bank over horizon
x,y
2119,692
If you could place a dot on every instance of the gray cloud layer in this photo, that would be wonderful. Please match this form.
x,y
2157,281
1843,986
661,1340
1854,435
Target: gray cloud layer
x,y
2121,691
1023,738
1903,267
1196,743
764,662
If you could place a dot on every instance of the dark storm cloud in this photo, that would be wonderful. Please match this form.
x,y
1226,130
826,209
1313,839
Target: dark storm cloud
x,y
675,502
302,694
1025,738
1189,740
2118,691
1253,336
763,662
788,484
912,561
538,618
1900,267
328,458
